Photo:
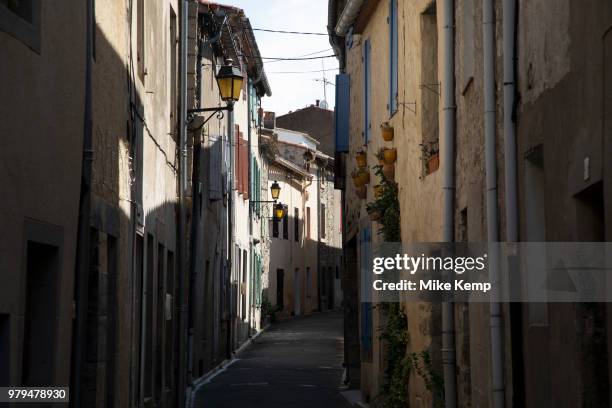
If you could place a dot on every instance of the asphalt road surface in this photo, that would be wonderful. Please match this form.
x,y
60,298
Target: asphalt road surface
x,y
296,363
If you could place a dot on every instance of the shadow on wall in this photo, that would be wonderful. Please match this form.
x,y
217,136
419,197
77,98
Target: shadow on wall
x,y
297,282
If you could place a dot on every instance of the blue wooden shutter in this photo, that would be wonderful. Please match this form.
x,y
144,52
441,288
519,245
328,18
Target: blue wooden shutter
x,y
343,97
366,91
393,57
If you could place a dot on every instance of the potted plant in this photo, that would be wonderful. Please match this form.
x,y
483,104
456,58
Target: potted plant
x,y
358,181
361,158
364,176
390,155
388,170
387,131
431,156
433,163
361,192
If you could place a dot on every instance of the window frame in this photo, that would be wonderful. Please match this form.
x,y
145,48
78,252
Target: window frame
x,y
22,30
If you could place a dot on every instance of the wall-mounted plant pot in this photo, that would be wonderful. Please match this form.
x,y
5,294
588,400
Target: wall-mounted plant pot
x,y
378,191
357,181
361,158
433,163
390,156
361,192
387,131
364,177
388,171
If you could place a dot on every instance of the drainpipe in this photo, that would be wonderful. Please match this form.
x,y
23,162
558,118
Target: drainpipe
x,y
497,363
448,186
335,41
348,16
81,278
182,251
509,26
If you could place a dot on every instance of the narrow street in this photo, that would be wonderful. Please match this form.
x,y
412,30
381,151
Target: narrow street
x,y
295,363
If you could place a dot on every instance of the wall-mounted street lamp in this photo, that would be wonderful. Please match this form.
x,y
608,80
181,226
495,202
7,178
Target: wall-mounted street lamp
x,y
275,190
229,79
279,209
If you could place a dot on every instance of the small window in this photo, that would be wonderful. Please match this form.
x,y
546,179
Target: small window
x,y
21,20
308,222
393,57
430,91
296,224
323,221
140,39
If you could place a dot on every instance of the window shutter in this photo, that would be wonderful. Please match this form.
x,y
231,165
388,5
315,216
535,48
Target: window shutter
x,y
366,91
393,56
244,167
342,112
215,186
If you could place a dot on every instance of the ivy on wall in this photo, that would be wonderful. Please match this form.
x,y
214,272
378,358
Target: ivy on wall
x,y
387,207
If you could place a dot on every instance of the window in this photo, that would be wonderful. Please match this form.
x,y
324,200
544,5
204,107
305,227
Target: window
x,y
286,225
322,221
430,90
367,125
296,224
140,39
170,328
393,57
148,318
467,64
21,20
42,275
535,221
307,222
342,112
5,350
173,74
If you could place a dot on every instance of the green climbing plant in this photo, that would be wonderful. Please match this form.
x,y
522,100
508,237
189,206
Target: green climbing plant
x,y
387,206
395,333
434,382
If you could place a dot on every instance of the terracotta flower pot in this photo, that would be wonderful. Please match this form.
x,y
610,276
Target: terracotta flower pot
x,y
358,181
433,163
387,132
364,177
362,159
361,192
389,171
390,156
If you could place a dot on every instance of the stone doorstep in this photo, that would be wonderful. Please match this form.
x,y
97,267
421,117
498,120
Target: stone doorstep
x,y
354,398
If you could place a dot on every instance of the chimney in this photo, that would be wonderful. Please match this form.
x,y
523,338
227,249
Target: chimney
x,y
317,103
269,121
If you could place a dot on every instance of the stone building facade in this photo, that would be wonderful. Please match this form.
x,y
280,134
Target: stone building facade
x,y
560,117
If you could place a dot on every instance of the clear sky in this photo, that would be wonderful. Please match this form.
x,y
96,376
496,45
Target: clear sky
x,y
292,91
